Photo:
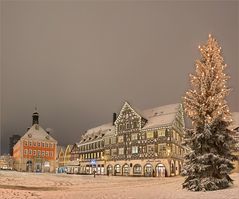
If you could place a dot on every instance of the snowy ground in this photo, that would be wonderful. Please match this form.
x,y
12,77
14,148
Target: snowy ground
x,y
15,185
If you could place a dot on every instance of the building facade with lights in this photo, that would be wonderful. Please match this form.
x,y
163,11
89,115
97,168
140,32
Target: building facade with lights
x,y
136,143
36,150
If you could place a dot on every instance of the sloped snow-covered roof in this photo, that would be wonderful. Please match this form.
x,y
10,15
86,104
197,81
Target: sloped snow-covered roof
x,y
156,117
159,116
97,132
36,132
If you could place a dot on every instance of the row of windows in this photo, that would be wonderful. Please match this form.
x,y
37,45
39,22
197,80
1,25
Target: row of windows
x,y
90,146
38,153
111,140
151,148
134,136
92,155
149,135
39,144
128,125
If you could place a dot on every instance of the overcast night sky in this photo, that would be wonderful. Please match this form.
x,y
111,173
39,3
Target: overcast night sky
x,y
79,61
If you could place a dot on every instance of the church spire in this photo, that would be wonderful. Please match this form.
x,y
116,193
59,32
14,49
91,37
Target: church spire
x,y
35,117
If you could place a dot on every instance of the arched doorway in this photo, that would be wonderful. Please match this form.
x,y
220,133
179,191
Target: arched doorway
x,y
109,169
137,169
160,170
117,169
148,170
29,166
126,170
173,169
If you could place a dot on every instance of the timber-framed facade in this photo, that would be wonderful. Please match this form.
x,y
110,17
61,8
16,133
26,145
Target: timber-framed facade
x,y
137,143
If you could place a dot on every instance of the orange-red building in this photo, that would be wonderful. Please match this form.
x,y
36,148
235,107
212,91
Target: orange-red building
x,y
36,150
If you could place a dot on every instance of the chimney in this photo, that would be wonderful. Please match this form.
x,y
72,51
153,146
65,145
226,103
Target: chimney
x,y
114,118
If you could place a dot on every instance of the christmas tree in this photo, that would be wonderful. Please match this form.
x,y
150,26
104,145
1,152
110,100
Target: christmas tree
x,y
210,143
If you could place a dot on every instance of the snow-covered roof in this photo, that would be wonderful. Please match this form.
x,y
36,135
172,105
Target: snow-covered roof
x,y
97,132
36,132
156,117
235,118
160,116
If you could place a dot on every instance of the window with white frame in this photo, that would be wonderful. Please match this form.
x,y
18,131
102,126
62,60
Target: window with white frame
x,y
30,152
43,153
135,149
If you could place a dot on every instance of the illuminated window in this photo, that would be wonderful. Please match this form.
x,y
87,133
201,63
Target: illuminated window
x,y
43,153
117,168
161,132
47,153
39,153
134,149
150,134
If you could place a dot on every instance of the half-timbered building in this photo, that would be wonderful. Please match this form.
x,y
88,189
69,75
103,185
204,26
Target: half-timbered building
x,y
137,143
